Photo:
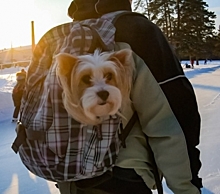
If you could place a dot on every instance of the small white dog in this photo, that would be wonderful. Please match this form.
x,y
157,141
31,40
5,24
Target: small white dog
x,y
95,86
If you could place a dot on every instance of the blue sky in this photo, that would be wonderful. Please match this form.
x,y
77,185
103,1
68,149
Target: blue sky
x,y
16,17
214,5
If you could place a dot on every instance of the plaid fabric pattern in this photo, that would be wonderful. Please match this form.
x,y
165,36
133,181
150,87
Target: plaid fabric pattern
x,y
70,150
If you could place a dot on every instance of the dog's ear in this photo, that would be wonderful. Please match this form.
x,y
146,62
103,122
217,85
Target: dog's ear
x,y
65,63
124,56
124,61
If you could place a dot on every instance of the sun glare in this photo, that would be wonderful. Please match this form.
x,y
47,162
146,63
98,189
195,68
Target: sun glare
x,y
15,22
15,19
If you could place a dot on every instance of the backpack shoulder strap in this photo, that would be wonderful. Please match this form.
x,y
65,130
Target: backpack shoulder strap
x,y
127,129
97,42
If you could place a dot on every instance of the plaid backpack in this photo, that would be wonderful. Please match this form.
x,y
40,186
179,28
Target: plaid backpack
x,y
50,143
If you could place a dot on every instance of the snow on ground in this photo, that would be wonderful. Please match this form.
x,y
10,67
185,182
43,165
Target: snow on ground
x,y
15,178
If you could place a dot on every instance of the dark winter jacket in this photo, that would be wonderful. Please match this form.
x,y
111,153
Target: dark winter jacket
x,y
147,40
18,92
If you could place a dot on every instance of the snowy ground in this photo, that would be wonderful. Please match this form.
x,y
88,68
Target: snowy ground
x,y
15,179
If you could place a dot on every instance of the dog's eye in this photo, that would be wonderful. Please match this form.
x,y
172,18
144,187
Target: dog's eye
x,y
86,79
108,76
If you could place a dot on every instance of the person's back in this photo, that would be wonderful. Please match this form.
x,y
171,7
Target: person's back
x,y
147,40
155,120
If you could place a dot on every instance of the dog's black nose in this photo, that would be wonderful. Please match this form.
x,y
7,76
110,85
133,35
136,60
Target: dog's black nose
x,y
103,94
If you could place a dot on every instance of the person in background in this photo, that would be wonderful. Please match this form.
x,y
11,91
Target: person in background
x,y
18,92
192,62
148,41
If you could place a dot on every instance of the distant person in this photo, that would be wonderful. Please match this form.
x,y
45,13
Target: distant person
x,y
192,62
205,62
22,74
18,92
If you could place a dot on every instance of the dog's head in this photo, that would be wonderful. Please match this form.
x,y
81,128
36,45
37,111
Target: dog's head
x,y
95,86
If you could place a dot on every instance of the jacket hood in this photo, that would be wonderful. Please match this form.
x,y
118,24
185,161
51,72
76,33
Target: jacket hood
x,y
85,9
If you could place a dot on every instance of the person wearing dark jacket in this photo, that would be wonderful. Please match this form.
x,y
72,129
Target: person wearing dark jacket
x,y
148,41
18,92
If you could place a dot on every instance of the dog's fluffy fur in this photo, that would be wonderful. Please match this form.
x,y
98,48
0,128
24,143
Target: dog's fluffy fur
x,y
95,86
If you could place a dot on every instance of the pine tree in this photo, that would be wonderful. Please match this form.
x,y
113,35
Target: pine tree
x,y
197,24
188,24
